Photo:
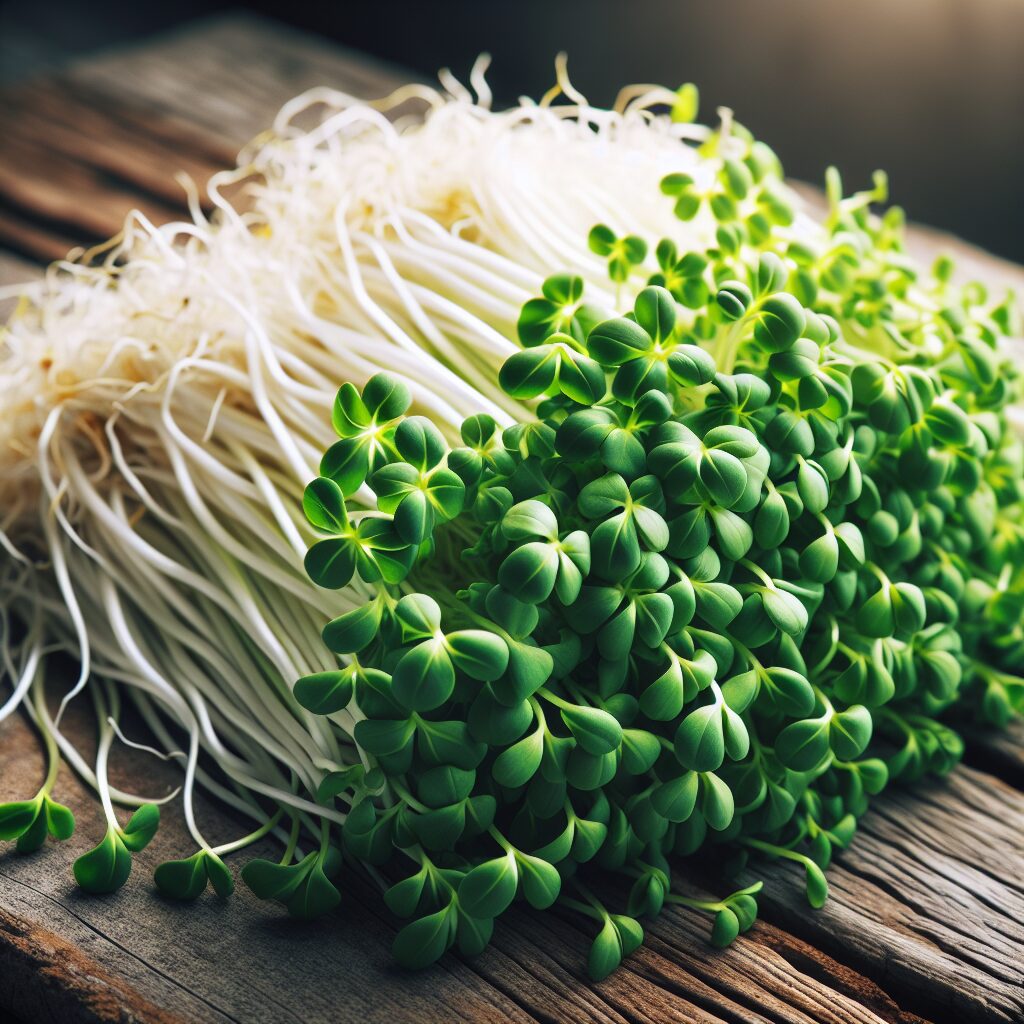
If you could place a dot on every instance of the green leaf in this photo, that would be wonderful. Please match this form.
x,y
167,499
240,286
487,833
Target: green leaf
x,y
603,496
270,881
324,505
716,802
684,110
481,655
515,616
529,668
875,616
221,879
419,442
517,764
530,373
717,603
874,775
691,366
631,933
654,613
588,840
817,887
331,563
386,397
60,822
34,836
789,691
812,483
17,817
424,676
803,745
677,798
324,693
655,312
141,827
333,784
700,739
384,736
489,888
785,610
737,739
403,898
528,520
381,553
739,691
735,536
349,414
414,517
106,867
725,928
733,298
425,941
529,572
849,732
420,616
596,731
355,630
819,561
182,879
497,723
540,881
851,544
316,895
446,493
615,548
618,341
346,463
640,751
445,784
908,608
605,953
780,321
473,934
441,827
723,477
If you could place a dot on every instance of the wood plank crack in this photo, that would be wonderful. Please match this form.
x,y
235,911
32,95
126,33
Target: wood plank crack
x,y
99,933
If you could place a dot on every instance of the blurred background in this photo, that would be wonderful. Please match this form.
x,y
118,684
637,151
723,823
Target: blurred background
x,y
930,90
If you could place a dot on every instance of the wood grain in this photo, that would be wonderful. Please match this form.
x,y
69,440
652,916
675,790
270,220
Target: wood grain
x,y
928,900
923,920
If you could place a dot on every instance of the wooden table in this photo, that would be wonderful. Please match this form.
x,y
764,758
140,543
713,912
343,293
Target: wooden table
x,y
925,918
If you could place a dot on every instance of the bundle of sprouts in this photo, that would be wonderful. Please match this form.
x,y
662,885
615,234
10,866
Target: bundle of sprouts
x,y
167,399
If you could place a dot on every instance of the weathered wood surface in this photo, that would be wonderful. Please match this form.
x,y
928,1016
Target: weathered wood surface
x,y
924,919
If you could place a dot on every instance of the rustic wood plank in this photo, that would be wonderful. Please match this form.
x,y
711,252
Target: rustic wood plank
x,y
228,75
1001,752
927,900
239,959
48,978
117,129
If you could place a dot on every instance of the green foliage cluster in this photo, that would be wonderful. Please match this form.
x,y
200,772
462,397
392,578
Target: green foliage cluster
x,y
764,530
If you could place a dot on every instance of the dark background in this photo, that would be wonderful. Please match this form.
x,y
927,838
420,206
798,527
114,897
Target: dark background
x,y
930,90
